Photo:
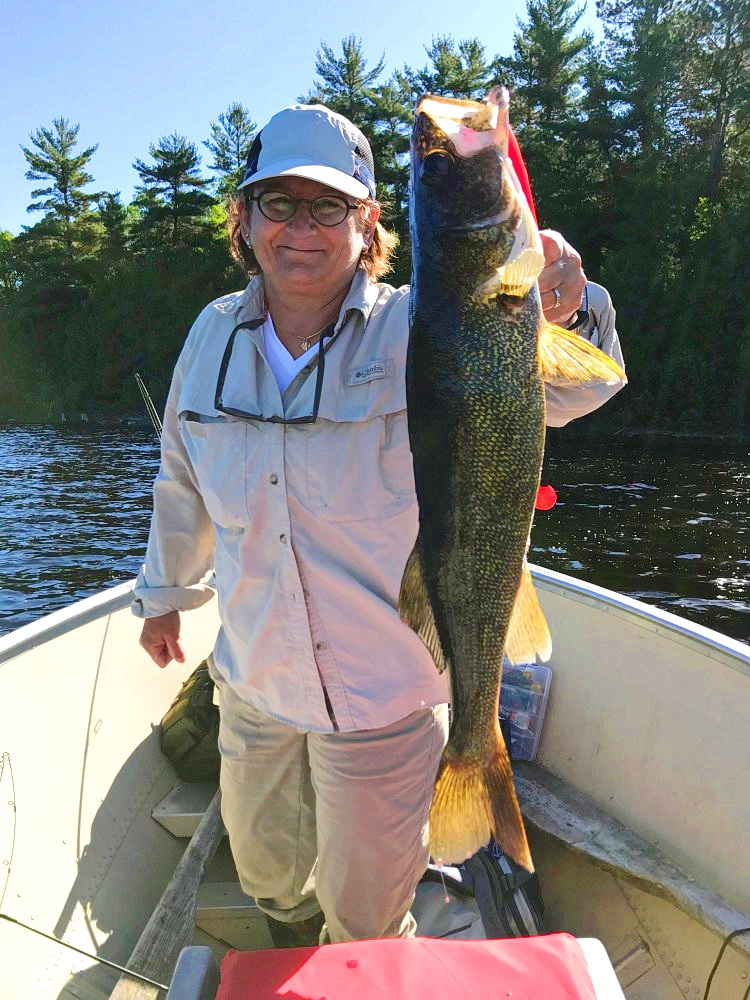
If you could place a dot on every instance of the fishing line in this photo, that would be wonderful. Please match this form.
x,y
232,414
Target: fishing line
x,y
86,954
439,866
8,862
727,940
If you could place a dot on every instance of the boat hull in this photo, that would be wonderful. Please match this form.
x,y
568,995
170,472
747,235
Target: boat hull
x,y
647,718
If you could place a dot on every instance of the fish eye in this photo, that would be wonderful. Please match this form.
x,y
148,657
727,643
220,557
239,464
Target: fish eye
x,y
436,166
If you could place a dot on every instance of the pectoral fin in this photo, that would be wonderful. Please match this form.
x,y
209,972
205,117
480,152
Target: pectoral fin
x,y
415,609
567,359
528,635
516,278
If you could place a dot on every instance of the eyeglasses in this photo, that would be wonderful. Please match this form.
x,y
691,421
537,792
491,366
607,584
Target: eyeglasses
x,y
328,209
274,419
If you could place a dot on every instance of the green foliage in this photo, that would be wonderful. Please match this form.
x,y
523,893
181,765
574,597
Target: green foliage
x,y
638,149
459,70
68,232
172,197
231,138
346,84
545,68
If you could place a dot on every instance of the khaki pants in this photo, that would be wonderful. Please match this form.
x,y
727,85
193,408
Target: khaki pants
x,y
334,821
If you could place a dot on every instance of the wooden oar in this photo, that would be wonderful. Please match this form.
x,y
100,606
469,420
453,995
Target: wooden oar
x,y
172,924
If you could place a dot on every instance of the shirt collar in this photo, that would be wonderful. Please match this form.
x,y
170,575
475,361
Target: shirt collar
x,y
361,297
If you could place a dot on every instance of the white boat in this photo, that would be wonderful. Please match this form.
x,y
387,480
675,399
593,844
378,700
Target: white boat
x,y
638,805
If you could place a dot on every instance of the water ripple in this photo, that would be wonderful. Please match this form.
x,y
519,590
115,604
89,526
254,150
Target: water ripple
x,y
75,507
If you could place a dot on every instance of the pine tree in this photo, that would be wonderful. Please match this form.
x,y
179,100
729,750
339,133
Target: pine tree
x,y
544,75
114,218
231,138
68,227
172,198
544,71
345,83
458,70
649,44
348,86
10,270
720,104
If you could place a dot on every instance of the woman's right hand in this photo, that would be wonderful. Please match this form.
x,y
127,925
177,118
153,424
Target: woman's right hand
x,y
160,637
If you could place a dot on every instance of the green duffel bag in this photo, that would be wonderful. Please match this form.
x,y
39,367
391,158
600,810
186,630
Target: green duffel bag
x,y
189,732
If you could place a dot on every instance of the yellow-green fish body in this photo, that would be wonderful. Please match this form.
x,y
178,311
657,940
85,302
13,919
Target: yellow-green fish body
x,y
476,424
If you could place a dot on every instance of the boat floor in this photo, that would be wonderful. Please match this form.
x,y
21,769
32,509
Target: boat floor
x,y
216,911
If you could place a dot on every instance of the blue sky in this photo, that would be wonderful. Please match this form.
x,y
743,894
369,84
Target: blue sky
x,y
133,71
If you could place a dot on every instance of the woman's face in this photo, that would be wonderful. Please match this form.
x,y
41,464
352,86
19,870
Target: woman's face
x,y
301,256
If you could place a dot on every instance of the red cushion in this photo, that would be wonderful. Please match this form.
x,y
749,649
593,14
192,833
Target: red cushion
x,y
551,967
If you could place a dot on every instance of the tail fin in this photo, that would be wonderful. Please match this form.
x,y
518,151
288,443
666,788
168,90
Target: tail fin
x,y
474,800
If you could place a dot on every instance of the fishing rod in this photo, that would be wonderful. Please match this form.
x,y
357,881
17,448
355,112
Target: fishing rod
x,y
150,408
87,954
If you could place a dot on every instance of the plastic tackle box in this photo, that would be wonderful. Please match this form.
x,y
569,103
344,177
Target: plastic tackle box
x,y
523,701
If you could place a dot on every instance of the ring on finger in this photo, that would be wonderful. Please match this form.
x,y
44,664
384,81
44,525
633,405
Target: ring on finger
x,y
556,293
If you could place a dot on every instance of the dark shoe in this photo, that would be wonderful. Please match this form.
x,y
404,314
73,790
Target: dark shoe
x,y
298,934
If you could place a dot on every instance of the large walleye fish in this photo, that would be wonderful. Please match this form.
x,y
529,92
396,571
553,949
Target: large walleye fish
x,y
479,352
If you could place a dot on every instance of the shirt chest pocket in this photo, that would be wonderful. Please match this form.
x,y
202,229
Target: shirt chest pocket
x,y
217,448
359,470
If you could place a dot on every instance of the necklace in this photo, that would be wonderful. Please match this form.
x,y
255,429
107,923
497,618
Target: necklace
x,y
306,342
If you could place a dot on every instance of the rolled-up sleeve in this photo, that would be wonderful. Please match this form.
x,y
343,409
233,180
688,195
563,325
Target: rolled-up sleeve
x,y
566,403
179,558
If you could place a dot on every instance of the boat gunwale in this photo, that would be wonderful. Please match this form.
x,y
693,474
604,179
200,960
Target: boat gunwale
x,y
58,623
716,645
732,652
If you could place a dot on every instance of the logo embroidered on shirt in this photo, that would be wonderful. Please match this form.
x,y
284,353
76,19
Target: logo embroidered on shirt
x,y
379,368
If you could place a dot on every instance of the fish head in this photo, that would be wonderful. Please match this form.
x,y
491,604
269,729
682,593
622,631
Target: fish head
x,y
468,213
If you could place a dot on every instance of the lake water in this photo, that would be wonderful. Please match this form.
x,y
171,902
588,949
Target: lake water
x,y
670,526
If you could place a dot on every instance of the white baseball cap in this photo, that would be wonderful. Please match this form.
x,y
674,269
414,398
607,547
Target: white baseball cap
x,y
310,140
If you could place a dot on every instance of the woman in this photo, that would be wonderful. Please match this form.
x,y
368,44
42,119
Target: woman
x,y
286,465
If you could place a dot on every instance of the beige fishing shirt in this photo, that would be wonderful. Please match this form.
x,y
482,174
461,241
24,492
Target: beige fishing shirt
x,y
308,525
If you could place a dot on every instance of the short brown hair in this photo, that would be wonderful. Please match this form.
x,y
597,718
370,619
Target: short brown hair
x,y
376,259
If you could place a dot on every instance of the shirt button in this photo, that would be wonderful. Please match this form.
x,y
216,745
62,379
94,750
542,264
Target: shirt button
x,y
282,539
320,646
274,479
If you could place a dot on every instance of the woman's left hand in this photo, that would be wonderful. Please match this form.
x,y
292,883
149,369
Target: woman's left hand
x,y
562,280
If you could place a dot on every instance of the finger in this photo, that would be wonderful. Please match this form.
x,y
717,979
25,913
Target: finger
x,y
174,648
552,276
552,245
562,263
561,307
155,647
161,656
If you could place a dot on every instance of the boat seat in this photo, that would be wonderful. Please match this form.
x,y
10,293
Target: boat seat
x,y
554,807
553,966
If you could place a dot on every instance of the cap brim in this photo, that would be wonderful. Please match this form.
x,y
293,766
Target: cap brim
x,y
329,176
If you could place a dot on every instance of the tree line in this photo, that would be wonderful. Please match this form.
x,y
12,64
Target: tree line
x,y
638,149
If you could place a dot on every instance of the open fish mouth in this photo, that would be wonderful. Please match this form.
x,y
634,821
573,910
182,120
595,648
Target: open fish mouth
x,y
468,129
470,125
